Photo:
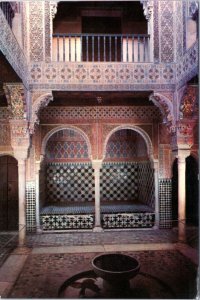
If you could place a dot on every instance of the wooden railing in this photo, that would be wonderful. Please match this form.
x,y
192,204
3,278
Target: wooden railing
x,y
8,12
100,47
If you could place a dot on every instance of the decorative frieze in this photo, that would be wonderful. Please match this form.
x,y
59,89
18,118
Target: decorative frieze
x,y
74,74
166,31
36,24
101,112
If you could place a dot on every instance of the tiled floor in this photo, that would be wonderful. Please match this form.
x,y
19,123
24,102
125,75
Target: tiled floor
x,y
99,238
164,274
51,258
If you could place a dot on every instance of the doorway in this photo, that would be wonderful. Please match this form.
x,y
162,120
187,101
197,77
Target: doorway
x,y
8,193
191,192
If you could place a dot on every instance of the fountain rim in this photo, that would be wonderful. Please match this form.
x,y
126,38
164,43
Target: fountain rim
x,y
115,272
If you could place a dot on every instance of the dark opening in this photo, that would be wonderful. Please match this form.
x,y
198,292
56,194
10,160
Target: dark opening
x,y
191,191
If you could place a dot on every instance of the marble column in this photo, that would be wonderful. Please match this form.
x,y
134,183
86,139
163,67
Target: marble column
x,y
97,164
37,195
22,200
157,220
182,195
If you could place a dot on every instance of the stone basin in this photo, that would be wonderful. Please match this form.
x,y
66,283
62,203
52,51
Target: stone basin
x,y
116,270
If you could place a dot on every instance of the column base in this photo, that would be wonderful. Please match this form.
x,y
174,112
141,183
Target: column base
x,y
39,230
98,229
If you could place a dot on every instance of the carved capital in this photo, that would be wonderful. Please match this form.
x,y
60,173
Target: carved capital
x,y
148,8
189,103
53,7
182,135
16,100
97,164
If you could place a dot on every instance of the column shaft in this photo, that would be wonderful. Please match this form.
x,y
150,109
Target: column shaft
x,y
37,196
96,167
156,195
181,199
22,201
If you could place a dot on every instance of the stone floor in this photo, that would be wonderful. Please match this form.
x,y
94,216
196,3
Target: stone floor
x,y
164,274
168,269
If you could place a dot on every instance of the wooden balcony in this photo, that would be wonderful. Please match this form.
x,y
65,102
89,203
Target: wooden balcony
x,y
100,48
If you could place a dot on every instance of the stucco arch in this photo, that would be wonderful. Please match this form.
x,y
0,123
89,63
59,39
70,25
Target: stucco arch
x,y
136,129
8,154
63,127
40,102
165,106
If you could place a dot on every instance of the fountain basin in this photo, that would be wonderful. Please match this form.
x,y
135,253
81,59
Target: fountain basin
x,y
115,267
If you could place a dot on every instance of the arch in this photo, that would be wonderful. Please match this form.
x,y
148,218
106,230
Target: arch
x,y
165,106
136,129
63,127
7,154
40,102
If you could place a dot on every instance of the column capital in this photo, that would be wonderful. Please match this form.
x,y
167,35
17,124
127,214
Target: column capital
x,y
182,154
37,166
97,164
154,164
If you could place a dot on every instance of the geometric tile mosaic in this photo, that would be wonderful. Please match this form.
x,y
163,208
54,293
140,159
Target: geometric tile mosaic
x,y
30,207
146,189
62,222
165,201
118,181
69,182
124,220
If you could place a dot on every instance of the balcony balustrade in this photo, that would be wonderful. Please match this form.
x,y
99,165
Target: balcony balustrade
x,y
8,12
100,47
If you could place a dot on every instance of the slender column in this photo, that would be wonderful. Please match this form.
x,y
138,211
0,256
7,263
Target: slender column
x,y
22,201
156,195
181,199
96,164
37,196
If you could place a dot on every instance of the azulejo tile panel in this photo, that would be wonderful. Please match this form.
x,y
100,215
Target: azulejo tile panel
x,y
63,222
124,220
118,182
165,200
69,182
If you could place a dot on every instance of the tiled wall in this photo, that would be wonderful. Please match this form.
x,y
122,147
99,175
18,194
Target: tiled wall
x,y
69,182
119,181
165,200
146,189
30,207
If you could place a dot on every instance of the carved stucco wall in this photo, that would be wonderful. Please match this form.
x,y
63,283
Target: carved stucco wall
x,y
36,30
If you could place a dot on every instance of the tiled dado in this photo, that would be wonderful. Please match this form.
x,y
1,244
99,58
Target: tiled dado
x,y
67,76
115,220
